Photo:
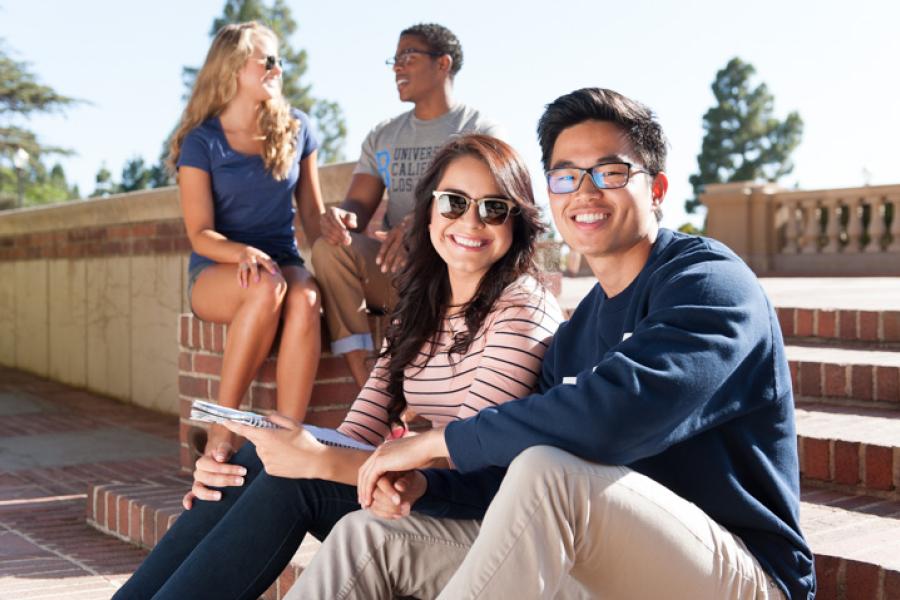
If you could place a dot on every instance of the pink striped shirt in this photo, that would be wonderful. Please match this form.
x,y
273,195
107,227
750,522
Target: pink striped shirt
x,y
502,363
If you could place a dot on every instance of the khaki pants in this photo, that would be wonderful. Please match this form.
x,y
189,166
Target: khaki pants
x,y
560,527
351,281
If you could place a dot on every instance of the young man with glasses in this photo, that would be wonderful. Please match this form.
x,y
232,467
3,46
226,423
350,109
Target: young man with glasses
x,y
352,269
658,457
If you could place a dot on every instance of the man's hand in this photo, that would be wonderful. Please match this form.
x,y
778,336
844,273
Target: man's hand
x,y
336,224
392,254
289,451
396,493
398,456
213,469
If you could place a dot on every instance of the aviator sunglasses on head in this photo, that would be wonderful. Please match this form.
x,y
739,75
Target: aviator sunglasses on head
x,y
491,211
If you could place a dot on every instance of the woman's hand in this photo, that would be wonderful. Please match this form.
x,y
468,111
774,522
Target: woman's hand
x,y
249,263
213,469
289,451
398,456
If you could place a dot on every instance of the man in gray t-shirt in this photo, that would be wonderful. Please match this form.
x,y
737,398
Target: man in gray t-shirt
x,y
353,269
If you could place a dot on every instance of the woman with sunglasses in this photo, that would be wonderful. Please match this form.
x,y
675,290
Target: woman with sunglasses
x,y
469,332
243,157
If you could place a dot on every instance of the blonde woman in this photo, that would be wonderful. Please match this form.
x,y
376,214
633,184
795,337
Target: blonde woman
x,y
243,157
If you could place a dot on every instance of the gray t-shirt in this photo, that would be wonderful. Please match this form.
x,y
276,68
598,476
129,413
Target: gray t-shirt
x,y
398,152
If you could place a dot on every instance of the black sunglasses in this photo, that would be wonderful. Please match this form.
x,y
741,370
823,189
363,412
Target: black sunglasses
x,y
270,61
491,211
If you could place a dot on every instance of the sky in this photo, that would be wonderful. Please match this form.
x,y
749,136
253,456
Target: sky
x,y
834,62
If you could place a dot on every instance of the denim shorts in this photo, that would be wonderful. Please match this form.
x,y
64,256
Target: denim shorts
x,y
283,259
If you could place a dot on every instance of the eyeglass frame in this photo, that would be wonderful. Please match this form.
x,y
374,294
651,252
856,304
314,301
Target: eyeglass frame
x,y
402,59
590,170
511,205
270,60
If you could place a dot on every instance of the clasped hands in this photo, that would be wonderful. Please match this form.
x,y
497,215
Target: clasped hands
x,y
388,485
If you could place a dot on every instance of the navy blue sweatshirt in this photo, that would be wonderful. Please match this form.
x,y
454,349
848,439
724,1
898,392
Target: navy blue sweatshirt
x,y
683,378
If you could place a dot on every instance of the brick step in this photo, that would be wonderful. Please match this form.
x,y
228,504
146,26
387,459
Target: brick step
x,y
853,449
140,512
856,542
845,375
869,326
200,362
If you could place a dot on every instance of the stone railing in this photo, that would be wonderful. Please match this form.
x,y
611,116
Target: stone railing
x,y
845,231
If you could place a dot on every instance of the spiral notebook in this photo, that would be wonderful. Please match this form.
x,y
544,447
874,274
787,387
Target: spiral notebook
x,y
209,412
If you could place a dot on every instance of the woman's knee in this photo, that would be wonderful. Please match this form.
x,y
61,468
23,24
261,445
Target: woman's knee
x,y
269,292
302,305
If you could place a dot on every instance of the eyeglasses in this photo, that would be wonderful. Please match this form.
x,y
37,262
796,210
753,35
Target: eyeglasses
x,y
270,61
403,59
606,176
491,211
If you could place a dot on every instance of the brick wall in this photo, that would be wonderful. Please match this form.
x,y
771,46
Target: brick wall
x,y
165,236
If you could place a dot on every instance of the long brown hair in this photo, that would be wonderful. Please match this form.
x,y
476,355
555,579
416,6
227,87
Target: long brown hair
x,y
424,286
216,86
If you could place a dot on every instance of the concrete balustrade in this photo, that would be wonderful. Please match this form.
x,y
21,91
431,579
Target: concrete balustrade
x,y
850,231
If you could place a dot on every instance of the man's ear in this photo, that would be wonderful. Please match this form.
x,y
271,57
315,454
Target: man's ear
x,y
445,62
659,187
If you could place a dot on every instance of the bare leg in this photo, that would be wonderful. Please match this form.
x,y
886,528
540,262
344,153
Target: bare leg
x,y
301,343
252,315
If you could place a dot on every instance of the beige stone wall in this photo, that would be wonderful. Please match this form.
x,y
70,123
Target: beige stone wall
x,y
808,232
103,314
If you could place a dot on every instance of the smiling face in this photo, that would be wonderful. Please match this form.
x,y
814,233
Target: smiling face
x,y
611,228
417,75
253,79
468,246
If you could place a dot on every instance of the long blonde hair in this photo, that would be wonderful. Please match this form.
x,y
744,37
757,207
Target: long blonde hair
x,y
216,85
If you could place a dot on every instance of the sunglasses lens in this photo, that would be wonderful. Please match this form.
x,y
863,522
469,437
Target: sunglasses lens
x,y
493,212
452,206
271,61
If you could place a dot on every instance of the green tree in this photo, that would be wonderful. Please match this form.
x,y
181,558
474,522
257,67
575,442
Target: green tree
x,y
104,184
40,185
743,141
21,96
135,175
326,114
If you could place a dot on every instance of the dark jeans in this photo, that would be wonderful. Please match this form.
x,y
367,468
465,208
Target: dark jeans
x,y
236,547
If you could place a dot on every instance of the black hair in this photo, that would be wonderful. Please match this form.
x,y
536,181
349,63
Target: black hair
x,y
638,122
439,39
